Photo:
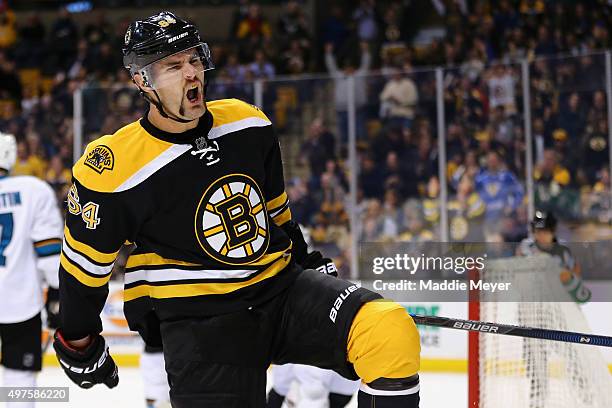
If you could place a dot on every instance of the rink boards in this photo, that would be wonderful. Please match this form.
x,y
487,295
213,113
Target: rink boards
x,y
443,350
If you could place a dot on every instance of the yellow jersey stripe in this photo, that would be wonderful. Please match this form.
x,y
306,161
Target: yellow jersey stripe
x,y
199,289
151,259
269,258
227,111
81,276
283,217
91,253
135,261
277,202
142,174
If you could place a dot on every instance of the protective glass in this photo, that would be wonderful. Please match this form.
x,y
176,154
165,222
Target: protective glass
x,y
173,69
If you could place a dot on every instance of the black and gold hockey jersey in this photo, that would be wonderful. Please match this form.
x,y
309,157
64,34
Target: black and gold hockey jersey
x,y
203,207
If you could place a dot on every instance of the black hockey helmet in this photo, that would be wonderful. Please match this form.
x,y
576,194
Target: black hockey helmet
x,y
155,38
543,220
160,36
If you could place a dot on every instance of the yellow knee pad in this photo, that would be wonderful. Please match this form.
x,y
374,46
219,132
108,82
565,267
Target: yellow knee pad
x,y
383,342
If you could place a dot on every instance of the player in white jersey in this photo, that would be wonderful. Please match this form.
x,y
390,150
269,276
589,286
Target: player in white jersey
x,y
30,244
316,387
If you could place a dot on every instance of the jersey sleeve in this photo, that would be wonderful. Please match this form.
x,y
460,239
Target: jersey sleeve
x,y
277,202
46,233
97,225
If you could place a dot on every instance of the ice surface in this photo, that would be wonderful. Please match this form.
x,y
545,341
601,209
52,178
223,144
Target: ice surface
x,y
437,391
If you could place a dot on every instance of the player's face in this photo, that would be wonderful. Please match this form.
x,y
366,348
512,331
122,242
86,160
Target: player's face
x,y
543,236
179,82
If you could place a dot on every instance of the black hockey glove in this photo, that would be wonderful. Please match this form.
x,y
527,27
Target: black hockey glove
x,y
88,367
52,308
299,249
315,260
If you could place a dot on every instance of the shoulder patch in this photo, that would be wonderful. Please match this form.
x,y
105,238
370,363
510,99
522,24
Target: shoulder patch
x,y
100,158
118,162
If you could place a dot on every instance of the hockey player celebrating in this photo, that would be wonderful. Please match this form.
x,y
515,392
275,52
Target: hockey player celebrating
x,y
221,274
31,229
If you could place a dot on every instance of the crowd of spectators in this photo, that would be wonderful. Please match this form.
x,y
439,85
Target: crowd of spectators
x,y
388,48
482,50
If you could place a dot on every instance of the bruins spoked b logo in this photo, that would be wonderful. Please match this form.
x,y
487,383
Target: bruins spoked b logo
x,y
231,223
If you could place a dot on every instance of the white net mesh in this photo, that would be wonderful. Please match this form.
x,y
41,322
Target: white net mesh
x,y
530,373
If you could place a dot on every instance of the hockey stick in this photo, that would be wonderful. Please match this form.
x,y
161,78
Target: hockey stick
x,y
509,330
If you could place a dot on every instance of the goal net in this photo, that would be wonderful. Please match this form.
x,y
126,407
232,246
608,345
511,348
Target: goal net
x,y
513,372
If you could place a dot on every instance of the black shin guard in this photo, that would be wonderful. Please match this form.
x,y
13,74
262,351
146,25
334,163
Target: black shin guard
x,y
275,400
339,400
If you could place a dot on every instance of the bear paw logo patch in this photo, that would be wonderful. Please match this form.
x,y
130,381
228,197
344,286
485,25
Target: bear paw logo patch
x,y
100,158
231,222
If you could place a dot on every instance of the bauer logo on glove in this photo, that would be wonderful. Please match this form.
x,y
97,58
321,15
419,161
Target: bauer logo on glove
x,y
328,268
315,260
89,366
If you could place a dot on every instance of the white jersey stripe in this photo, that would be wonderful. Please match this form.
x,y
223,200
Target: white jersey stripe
x,y
161,275
238,125
153,166
84,263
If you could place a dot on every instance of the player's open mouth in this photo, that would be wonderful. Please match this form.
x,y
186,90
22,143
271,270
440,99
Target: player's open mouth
x,y
193,95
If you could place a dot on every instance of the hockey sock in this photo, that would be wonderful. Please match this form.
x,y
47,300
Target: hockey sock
x,y
387,401
339,400
275,400
154,377
19,379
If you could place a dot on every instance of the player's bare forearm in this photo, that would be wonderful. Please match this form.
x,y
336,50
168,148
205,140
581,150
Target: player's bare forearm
x,y
80,343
